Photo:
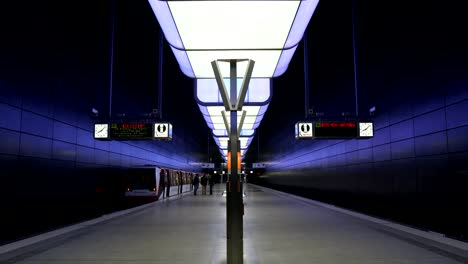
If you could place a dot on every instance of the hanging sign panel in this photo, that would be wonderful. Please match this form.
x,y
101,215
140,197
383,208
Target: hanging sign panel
x,y
162,131
132,131
304,130
101,131
366,129
334,130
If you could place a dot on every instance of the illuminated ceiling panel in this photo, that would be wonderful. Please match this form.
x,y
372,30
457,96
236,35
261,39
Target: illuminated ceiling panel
x,y
202,31
224,153
214,118
224,133
211,105
258,92
222,19
222,142
266,32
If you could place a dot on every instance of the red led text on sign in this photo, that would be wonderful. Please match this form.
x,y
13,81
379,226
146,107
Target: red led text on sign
x,y
133,125
336,124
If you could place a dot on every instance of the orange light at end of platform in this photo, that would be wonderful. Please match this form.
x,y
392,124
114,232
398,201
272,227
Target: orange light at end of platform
x,y
238,160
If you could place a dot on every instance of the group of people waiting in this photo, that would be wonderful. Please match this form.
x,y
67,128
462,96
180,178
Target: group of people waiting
x,y
204,181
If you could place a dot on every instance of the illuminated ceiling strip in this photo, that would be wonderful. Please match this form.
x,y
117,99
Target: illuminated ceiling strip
x,y
242,152
203,31
211,30
214,119
257,97
224,133
215,25
223,141
258,93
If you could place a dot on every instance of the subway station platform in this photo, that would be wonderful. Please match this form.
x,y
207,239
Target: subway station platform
x,y
278,228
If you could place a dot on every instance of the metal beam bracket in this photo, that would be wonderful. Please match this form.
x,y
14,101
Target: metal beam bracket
x,y
241,123
226,123
245,85
222,87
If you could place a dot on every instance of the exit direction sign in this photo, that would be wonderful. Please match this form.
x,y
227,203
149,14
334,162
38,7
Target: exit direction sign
x,y
334,130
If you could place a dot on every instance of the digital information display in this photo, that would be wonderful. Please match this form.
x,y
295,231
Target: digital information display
x,y
334,130
131,131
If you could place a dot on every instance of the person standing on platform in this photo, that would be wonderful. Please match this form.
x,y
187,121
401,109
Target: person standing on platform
x,y
211,183
204,182
162,184
196,181
181,181
168,183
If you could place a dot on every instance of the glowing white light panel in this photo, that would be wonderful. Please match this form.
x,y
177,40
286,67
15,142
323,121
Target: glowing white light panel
x,y
210,30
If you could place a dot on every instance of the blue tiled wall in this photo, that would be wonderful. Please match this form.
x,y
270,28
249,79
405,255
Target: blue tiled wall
x,y
413,170
437,130
54,170
26,133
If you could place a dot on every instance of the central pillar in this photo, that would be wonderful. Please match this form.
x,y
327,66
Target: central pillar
x,y
234,203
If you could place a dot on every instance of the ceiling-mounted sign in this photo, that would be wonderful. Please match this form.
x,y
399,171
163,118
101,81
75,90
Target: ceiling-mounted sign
x,y
163,130
366,129
131,131
101,131
334,130
304,130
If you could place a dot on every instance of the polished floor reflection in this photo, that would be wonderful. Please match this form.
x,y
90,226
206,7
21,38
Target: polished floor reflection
x,y
191,229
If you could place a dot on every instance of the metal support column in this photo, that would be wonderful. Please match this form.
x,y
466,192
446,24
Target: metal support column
x,y
234,203
235,225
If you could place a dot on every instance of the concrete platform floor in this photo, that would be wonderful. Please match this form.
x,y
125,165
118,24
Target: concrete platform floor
x,y
191,229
